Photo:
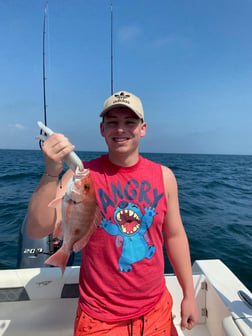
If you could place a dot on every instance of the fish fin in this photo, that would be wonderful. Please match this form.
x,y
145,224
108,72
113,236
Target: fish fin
x,y
80,244
58,230
56,203
58,259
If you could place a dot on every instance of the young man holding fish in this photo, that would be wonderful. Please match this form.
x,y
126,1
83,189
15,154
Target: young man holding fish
x,y
122,285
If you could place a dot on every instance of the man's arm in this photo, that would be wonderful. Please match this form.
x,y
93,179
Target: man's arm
x,y
178,252
41,219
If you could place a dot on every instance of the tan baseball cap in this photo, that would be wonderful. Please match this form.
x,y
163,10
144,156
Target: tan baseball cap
x,y
124,98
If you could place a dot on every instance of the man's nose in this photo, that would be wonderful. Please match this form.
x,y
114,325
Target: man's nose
x,y
120,127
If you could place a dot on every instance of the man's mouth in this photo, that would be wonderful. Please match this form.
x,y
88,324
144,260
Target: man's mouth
x,y
120,139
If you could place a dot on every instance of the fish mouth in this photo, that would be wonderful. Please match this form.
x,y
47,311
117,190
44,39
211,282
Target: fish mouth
x,y
79,174
129,221
75,196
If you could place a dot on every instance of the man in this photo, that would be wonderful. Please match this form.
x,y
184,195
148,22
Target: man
x,y
122,286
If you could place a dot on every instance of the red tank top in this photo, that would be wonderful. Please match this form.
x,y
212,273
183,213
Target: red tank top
x,y
122,266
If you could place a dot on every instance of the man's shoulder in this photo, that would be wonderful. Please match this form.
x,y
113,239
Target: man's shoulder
x,y
167,172
98,161
169,178
96,164
150,162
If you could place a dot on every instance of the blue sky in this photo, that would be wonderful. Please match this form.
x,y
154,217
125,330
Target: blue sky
x,y
189,61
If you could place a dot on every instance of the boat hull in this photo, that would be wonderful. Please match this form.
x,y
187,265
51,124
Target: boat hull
x,y
41,301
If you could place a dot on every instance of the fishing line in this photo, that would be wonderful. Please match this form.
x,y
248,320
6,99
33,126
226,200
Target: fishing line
x,y
51,242
44,72
111,46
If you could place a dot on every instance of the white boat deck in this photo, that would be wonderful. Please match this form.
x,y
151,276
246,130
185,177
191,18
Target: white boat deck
x,y
198,330
41,302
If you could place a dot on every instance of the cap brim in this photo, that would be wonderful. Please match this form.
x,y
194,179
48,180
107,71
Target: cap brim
x,y
102,114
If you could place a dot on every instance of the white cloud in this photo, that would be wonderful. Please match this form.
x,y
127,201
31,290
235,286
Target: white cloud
x,y
17,126
129,33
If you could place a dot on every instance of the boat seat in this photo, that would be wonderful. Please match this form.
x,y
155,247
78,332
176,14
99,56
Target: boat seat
x,y
59,322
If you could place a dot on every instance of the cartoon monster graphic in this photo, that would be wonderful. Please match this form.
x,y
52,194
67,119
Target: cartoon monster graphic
x,y
130,229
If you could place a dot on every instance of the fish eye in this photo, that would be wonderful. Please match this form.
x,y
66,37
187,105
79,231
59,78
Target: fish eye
x,y
86,186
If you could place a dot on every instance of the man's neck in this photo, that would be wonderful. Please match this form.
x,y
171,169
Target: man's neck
x,y
124,160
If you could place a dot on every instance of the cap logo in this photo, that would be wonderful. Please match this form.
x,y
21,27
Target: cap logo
x,y
121,98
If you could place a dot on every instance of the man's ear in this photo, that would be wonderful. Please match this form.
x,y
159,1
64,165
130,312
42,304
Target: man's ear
x,y
102,128
143,129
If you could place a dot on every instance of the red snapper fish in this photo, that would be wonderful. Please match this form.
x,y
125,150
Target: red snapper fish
x,y
80,217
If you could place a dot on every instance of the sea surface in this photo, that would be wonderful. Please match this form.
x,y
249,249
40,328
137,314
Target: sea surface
x,y
215,193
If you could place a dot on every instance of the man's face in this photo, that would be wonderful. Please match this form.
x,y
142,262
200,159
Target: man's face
x,y
122,130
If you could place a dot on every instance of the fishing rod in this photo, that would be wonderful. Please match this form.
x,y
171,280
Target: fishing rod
x,y
111,46
52,245
44,71
44,67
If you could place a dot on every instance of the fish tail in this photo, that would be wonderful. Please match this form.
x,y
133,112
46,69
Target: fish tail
x,y
58,259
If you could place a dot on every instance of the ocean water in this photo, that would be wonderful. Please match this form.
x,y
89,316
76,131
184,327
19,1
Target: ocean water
x,y
215,193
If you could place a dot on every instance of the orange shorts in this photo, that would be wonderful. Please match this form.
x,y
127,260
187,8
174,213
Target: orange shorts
x,y
157,322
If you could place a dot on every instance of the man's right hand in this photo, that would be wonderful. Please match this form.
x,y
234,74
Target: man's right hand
x,y
55,149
